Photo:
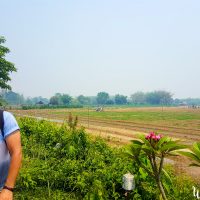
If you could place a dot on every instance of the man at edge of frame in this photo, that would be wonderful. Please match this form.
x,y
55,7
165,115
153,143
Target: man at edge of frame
x,y
10,155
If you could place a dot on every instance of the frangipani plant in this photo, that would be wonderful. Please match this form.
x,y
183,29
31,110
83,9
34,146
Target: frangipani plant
x,y
155,148
194,154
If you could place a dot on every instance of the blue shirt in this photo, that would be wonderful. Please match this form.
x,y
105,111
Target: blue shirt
x,y
10,125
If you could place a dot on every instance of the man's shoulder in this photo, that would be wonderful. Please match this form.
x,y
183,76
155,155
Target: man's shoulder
x,y
7,114
10,123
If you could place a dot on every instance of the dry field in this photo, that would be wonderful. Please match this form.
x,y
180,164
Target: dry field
x,y
124,123
120,125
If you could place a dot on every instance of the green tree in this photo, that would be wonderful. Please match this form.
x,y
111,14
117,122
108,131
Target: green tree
x,y
110,102
5,66
159,97
138,98
37,99
83,100
102,97
120,99
66,99
2,102
13,98
54,100
29,101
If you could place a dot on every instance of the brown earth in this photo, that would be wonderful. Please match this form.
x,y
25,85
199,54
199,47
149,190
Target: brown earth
x,y
118,133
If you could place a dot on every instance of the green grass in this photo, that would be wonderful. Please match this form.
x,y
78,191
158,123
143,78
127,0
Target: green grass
x,y
143,116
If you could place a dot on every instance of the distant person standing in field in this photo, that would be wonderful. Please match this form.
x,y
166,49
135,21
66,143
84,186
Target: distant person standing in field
x,y
10,154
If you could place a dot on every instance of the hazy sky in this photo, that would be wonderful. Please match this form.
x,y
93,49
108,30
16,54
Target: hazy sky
x,y
118,46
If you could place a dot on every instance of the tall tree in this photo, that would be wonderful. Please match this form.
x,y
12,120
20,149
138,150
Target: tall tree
x,y
120,99
5,66
138,98
54,100
159,97
83,100
66,99
102,97
13,98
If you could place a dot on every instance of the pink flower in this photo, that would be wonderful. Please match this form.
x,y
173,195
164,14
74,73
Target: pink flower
x,y
147,137
153,136
158,137
150,135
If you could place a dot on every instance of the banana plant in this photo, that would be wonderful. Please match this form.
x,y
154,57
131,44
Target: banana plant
x,y
194,154
155,148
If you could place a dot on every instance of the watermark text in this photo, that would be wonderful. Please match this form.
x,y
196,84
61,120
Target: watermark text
x,y
196,192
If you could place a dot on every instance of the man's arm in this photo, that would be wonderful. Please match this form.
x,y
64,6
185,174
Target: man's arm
x,y
13,142
14,146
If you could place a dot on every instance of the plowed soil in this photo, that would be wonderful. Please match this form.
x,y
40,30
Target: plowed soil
x,y
184,126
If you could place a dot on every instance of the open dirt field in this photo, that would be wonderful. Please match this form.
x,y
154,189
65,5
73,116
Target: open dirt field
x,y
182,123
120,125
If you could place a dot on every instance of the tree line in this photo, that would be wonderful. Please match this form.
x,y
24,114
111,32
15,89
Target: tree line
x,y
159,97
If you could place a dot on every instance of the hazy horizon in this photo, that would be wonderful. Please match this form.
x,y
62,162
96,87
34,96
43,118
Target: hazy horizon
x,y
120,47
110,95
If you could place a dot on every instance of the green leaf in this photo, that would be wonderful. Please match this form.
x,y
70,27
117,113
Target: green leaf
x,y
172,146
137,142
194,165
160,142
196,149
167,176
190,155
